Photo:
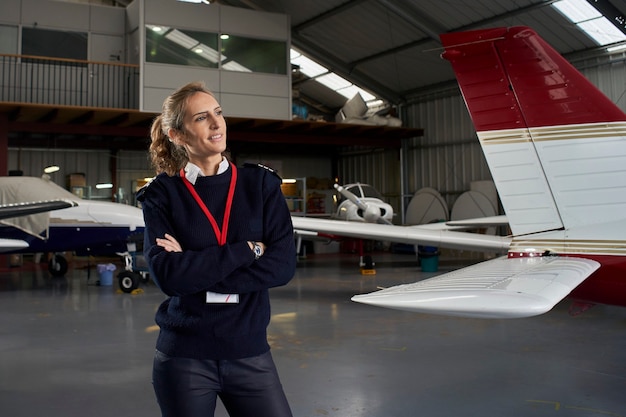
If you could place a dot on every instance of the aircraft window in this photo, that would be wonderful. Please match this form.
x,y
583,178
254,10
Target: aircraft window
x,y
369,191
360,190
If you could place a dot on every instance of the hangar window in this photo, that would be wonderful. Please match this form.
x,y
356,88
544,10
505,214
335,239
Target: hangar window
x,y
257,55
54,43
167,45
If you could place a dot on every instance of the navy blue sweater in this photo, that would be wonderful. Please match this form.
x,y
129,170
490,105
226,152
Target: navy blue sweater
x,y
189,326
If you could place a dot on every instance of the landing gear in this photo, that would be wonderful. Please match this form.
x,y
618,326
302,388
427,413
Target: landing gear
x,y
57,265
133,274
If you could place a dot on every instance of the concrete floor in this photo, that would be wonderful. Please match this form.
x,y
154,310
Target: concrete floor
x,y
71,348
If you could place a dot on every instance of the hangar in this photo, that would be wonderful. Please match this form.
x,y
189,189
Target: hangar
x,y
71,348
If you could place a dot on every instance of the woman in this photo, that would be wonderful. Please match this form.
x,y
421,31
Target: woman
x,y
217,238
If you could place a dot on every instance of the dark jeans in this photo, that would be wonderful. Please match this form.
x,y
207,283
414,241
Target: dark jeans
x,y
248,387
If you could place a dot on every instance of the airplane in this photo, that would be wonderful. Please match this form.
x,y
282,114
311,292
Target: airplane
x,y
556,149
362,203
86,227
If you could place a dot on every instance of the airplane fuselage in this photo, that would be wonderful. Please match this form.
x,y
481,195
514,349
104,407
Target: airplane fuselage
x,y
83,239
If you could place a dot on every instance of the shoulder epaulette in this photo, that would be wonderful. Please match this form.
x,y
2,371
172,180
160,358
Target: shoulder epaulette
x,y
265,167
142,190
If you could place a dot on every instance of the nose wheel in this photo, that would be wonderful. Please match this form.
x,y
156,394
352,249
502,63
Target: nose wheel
x,y
128,281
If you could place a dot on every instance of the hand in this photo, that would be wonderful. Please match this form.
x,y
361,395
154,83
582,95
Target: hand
x,y
169,243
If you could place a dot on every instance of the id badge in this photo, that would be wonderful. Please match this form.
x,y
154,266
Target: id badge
x,y
214,297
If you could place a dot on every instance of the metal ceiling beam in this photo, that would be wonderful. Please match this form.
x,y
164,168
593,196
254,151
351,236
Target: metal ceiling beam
x,y
414,18
327,14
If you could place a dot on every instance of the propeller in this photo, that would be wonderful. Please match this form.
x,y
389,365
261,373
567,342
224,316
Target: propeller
x,y
371,212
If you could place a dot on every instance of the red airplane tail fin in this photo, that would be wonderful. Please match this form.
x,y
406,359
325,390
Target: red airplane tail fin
x,y
511,78
555,145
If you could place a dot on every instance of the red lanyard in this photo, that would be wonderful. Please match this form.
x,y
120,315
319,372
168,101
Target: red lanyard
x,y
220,235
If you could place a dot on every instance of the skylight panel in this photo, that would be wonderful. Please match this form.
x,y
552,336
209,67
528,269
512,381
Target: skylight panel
x,y
577,10
322,75
602,31
333,81
307,66
591,21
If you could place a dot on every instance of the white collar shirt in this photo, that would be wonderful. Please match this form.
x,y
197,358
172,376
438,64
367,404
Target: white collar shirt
x,y
193,171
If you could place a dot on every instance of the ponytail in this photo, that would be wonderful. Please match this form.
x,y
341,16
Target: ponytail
x,y
165,155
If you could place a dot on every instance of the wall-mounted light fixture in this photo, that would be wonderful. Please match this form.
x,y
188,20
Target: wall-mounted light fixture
x,y
50,169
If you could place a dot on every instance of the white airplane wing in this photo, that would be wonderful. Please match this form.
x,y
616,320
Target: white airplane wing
x,y
8,245
499,288
480,222
29,216
415,235
8,211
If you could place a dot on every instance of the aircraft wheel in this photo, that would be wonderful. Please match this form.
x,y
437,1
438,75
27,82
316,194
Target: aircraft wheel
x,y
57,266
128,281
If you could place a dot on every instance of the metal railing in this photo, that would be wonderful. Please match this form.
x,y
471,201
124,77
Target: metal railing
x,y
68,82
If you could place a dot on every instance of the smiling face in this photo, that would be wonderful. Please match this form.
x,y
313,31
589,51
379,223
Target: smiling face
x,y
204,131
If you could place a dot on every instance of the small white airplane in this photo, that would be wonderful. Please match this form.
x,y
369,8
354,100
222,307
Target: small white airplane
x,y
84,226
362,203
556,148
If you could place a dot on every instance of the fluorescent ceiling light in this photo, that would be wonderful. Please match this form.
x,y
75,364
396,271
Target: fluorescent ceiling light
x,y
104,185
50,169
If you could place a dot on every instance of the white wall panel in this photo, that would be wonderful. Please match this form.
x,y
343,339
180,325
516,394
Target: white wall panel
x,y
253,22
255,106
10,11
110,20
55,15
182,15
